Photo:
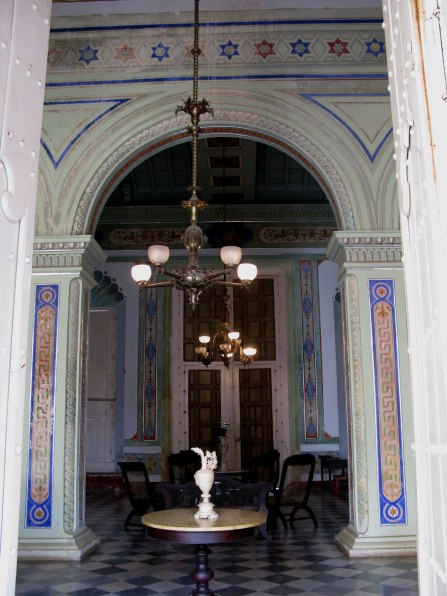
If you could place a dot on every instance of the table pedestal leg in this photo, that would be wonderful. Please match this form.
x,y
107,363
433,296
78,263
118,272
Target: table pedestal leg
x,y
202,574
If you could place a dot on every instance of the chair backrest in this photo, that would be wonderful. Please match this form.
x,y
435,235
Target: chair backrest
x,y
182,466
226,492
296,480
234,494
179,495
139,488
265,467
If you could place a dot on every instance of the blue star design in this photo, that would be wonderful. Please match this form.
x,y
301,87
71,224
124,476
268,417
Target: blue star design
x,y
229,49
300,47
160,52
375,47
88,54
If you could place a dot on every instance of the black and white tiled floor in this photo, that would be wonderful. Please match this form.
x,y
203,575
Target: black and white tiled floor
x,y
299,561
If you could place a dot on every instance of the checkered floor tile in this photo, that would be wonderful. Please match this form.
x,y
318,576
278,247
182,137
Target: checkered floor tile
x,y
300,561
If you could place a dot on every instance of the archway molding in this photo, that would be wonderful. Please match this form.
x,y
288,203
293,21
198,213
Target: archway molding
x,y
298,128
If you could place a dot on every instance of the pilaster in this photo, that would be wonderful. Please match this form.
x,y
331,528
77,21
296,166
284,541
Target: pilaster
x,y
382,484
53,475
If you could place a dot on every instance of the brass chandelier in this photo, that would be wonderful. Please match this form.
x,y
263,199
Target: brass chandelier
x,y
225,343
194,279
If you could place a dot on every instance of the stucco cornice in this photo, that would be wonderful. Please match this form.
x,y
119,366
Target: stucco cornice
x,y
67,253
357,249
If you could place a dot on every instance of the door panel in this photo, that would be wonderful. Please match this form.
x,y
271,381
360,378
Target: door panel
x,y
204,408
100,436
256,422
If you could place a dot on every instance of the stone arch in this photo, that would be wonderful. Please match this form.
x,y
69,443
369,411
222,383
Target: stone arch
x,y
244,123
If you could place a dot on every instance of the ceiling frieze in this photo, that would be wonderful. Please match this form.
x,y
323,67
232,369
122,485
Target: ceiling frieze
x,y
286,43
254,236
175,215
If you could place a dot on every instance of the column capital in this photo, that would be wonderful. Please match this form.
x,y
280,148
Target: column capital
x,y
72,254
363,249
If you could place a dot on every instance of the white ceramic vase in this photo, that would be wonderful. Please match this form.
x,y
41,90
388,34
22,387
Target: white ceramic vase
x,y
204,480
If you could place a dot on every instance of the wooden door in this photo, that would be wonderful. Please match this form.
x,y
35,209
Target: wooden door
x,y
256,419
239,398
204,408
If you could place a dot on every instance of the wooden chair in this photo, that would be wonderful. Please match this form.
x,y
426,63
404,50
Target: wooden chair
x,y
226,492
294,490
179,495
265,467
139,489
182,466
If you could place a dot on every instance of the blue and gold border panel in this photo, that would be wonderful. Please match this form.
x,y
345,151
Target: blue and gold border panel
x,y
148,366
393,510
41,444
309,354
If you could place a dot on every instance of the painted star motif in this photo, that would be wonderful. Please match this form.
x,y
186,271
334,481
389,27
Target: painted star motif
x,y
300,47
55,56
160,52
124,53
375,47
265,48
338,47
229,49
88,54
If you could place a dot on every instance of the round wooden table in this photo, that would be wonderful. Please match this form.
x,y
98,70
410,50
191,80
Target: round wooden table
x,y
180,525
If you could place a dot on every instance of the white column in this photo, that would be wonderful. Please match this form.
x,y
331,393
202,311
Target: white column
x,y
416,41
52,520
24,31
380,422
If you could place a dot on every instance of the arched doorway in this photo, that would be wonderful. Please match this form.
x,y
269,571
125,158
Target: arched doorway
x,y
275,208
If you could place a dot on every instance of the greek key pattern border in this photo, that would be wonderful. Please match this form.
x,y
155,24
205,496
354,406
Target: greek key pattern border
x,y
392,498
39,497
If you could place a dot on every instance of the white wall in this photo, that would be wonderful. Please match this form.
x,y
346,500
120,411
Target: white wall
x,y
327,286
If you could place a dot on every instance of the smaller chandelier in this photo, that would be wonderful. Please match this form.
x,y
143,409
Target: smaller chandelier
x,y
225,343
193,279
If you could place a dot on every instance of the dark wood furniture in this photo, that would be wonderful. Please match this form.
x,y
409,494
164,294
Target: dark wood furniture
x,y
242,474
182,466
294,490
332,464
227,492
105,482
140,490
265,467
180,525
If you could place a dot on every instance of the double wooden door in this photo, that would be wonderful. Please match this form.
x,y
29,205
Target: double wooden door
x,y
239,400
249,401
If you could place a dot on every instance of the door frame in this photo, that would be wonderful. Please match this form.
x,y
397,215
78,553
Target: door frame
x,y
230,407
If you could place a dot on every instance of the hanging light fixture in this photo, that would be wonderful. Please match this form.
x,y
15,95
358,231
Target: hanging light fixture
x,y
194,279
225,343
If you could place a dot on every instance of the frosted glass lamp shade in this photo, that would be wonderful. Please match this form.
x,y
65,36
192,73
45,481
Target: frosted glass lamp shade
x,y
141,273
204,339
230,255
247,272
249,351
233,335
201,351
158,254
